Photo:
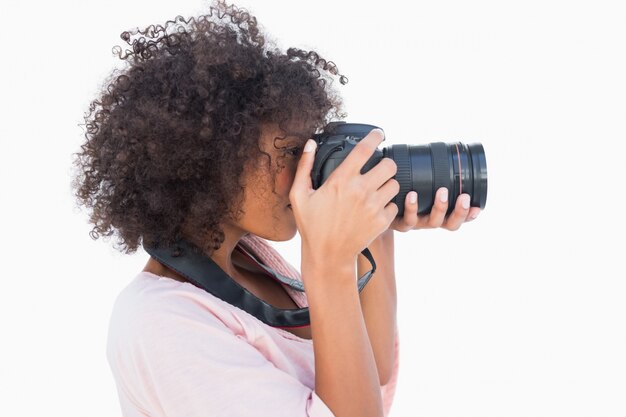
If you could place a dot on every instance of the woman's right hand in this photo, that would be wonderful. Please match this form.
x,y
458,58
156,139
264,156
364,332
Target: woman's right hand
x,y
343,216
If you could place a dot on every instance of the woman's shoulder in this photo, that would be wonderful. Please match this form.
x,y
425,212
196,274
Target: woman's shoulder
x,y
150,304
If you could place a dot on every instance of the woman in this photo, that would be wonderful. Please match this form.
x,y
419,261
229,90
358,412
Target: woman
x,y
202,137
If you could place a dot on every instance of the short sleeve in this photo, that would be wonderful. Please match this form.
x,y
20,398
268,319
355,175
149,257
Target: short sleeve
x,y
176,364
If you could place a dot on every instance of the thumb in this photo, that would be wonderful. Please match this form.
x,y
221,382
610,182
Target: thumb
x,y
302,180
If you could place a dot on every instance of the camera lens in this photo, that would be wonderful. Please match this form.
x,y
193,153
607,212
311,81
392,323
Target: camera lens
x,y
459,167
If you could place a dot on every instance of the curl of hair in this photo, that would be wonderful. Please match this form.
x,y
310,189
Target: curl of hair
x,y
169,135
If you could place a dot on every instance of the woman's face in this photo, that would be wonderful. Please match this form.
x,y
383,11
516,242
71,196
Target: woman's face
x,y
268,214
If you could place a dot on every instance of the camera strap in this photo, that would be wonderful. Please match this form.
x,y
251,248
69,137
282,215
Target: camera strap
x,y
189,261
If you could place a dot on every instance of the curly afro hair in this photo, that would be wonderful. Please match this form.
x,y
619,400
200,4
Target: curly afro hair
x,y
170,134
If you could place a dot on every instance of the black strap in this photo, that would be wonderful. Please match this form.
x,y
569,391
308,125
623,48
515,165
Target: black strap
x,y
189,261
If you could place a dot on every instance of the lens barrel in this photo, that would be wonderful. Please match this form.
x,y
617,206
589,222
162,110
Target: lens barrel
x,y
459,167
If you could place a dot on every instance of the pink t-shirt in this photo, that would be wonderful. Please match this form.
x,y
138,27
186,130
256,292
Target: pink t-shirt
x,y
176,350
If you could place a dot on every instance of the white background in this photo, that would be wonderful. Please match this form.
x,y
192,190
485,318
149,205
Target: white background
x,y
519,313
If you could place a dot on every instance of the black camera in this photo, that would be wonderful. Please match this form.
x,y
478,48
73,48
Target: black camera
x,y
459,167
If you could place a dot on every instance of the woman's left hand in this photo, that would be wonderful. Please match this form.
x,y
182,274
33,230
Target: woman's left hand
x,y
437,217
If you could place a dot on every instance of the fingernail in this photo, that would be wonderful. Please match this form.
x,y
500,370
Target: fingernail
x,y
473,216
413,197
382,134
310,145
444,195
465,201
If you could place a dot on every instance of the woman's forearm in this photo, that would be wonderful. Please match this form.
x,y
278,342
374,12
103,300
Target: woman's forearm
x,y
346,378
379,301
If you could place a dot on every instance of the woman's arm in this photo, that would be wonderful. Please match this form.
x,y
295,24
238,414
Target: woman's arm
x,y
346,378
378,303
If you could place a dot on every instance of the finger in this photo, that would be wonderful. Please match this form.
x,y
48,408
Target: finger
x,y
387,192
381,173
302,180
409,220
361,153
391,212
473,213
422,220
440,207
461,210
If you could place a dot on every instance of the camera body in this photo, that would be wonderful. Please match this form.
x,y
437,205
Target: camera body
x,y
423,168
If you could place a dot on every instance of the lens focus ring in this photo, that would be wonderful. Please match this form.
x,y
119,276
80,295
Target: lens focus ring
x,y
400,155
